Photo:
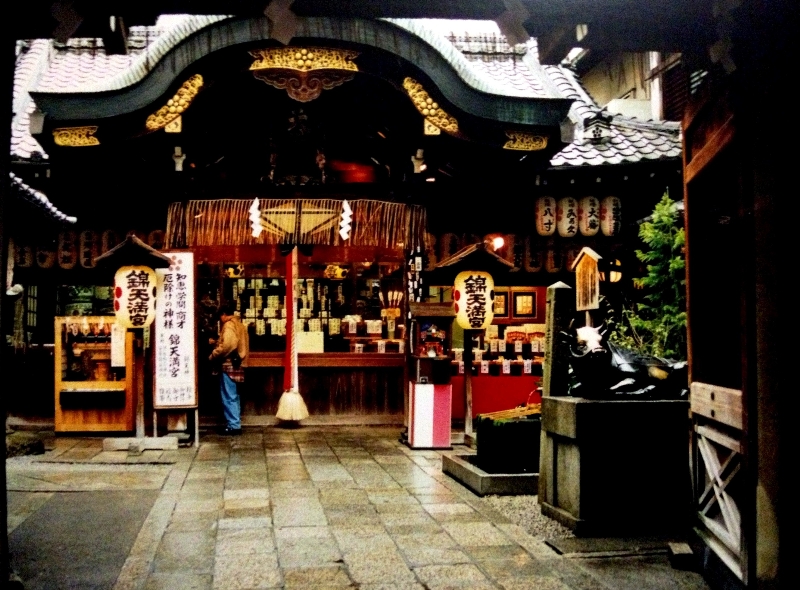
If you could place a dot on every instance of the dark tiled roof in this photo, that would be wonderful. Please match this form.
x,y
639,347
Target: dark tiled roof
x,y
629,140
510,71
39,200
475,49
83,66
31,61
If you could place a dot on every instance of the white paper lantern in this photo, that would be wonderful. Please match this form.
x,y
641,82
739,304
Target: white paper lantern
x,y
568,217
589,216
473,299
135,296
611,216
545,216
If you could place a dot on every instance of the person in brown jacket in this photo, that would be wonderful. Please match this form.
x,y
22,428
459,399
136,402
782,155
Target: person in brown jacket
x,y
231,349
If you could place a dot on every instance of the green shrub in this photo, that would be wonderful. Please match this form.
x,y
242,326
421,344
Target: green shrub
x,y
657,324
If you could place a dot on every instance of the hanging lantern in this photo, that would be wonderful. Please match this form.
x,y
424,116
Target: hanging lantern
x,y
67,250
611,216
135,296
545,216
90,248
567,217
589,216
473,299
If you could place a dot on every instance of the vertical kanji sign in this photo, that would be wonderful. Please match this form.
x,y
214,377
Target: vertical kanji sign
x,y
175,381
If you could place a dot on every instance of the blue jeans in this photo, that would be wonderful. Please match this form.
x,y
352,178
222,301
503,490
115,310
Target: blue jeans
x,y
231,409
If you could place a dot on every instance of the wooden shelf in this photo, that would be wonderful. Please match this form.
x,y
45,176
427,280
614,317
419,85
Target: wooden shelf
x,y
92,345
431,310
329,359
92,385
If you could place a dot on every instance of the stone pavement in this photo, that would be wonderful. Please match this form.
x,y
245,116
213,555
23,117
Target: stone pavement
x,y
311,508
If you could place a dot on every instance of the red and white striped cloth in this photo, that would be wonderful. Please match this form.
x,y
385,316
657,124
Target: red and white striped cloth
x,y
429,423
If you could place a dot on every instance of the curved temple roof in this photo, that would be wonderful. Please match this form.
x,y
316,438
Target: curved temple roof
x,y
39,200
470,61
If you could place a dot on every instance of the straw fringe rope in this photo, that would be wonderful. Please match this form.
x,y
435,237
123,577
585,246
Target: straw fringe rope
x,y
227,222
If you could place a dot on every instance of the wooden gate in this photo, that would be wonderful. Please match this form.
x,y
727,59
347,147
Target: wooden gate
x,y
720,293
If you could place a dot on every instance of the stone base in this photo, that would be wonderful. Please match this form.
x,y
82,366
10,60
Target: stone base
x,y
482,483
576,525
616,467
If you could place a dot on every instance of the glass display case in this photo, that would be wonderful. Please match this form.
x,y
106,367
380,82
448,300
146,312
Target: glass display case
x,y
92,392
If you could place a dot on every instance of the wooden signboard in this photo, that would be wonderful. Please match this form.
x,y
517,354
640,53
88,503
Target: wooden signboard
x,y
587,280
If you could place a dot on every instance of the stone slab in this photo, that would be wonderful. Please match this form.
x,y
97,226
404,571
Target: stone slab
x,y
482,483
610,546
83,538
164,443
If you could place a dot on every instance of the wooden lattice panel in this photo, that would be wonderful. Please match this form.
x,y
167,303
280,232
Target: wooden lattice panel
x,y
719,483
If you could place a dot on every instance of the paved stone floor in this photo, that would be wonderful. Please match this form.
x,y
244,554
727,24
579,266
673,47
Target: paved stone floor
x,y
311,508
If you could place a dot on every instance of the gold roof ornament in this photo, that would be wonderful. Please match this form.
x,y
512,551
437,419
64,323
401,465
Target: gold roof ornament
x,y
304,72
176,105
76,136
520,140
304,59
429,108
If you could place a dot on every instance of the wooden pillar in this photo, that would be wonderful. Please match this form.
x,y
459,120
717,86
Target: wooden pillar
x,y
290,374
134,361
560,307
468,382
555,371
6,92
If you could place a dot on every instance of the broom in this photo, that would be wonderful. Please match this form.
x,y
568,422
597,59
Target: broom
x,y
291,407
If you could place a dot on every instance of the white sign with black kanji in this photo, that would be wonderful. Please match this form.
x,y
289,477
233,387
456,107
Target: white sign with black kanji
x,y
175,347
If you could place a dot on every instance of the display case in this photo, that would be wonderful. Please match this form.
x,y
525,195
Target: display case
x,y
92,393
341,308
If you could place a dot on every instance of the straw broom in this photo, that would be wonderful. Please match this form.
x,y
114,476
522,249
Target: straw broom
x,y
291,407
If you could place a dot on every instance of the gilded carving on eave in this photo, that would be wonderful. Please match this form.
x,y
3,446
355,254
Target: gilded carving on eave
x,y
304,59
519,140
431,129
176,105
174,126
76,136
304,72
428,107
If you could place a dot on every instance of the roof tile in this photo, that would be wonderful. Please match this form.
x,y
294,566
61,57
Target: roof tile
x,y
477,50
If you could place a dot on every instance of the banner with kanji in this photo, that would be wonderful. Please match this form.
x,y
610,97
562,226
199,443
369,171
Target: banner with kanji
x,y
175,383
